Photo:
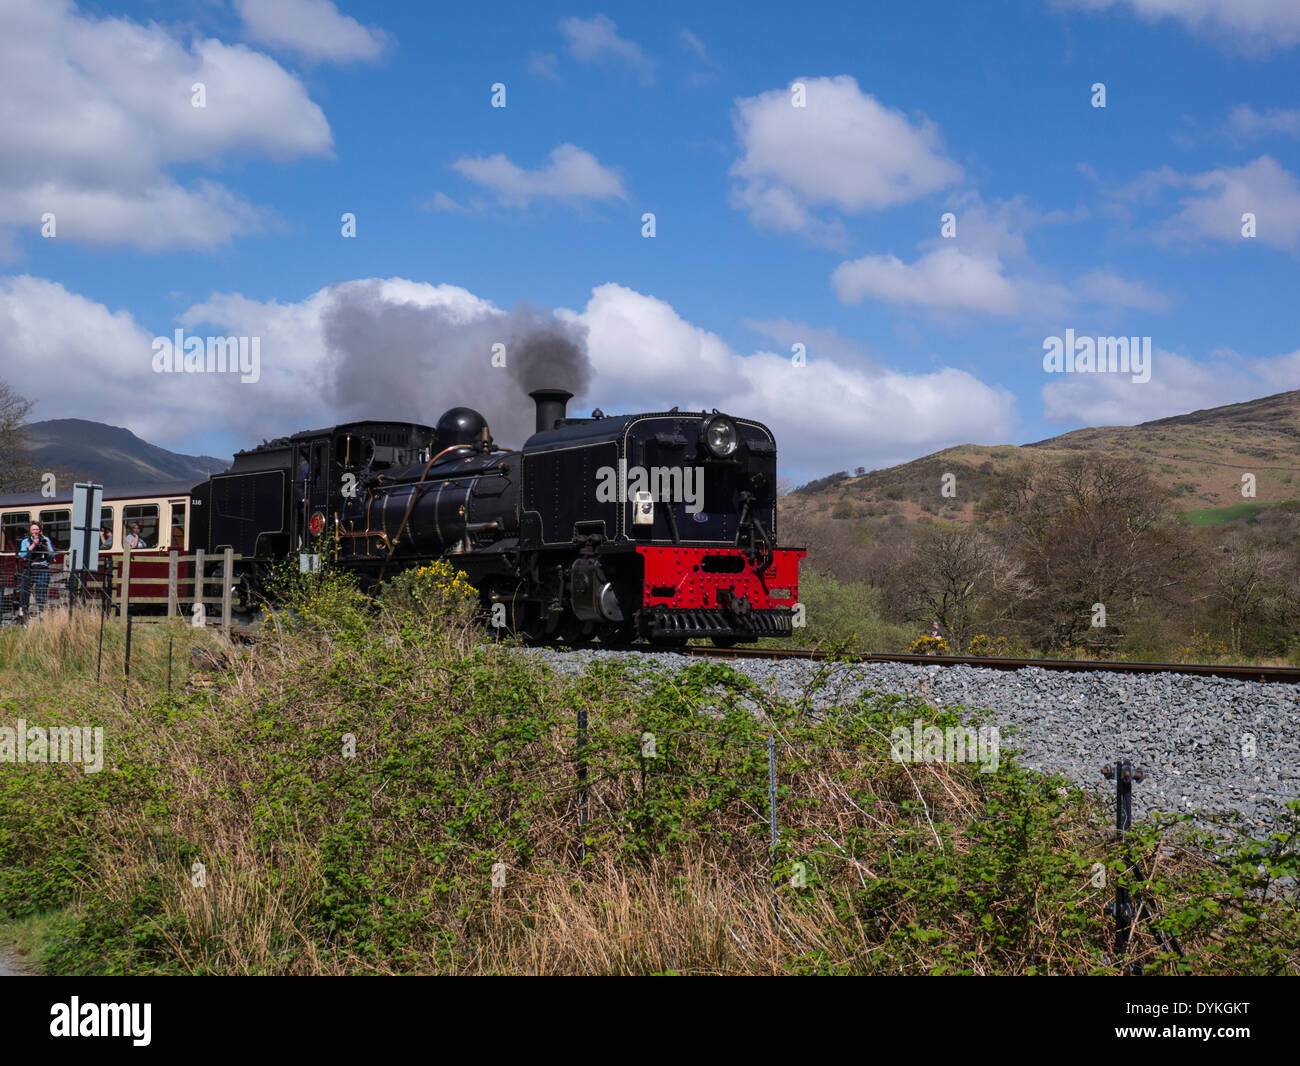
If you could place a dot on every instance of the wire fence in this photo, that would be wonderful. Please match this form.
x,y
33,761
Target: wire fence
x,y
773,804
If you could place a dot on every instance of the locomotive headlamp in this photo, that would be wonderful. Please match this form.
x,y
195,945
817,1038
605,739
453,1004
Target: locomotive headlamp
x,y
721,436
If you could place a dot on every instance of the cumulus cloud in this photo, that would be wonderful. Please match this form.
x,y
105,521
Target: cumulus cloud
x,y
1245,122
1258,25
1216,200
845,151
571,174
48,329
596,40
371,348
79,88
315,29
832,413
1107,289
978,262
406,350
395,348
1178,384
946,278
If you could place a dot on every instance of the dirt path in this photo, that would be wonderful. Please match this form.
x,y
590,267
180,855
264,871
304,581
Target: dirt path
x,y
11,966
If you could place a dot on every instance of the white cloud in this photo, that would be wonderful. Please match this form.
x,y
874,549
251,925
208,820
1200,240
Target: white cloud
x,y
543,65
98,109
1259,25
572,173
693,44
845,150
832,413
839,410
1262,188
1111,290
952,279
1178,385
982,265
440,201
49,330
1246,122
312,28
946,278
596,40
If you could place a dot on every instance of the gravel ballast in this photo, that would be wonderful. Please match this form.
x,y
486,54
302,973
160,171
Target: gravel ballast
x,y
1193,735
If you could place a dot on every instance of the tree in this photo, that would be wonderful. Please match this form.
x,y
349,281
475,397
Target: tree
x,y
17,472
959,578
1091,530
1248,581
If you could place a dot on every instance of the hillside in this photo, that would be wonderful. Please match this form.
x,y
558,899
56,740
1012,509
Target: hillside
x,y
1200,457
110,454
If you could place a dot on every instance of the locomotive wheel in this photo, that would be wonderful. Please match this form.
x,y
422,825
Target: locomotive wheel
x,y
575,634
528,624
623,633
724,642
244,595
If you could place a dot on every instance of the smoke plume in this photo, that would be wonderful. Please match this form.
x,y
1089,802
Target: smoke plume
x,y
411,361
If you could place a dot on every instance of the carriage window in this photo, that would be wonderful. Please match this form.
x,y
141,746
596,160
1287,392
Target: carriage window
x,y
57,525
178,526
106,525
147,515
13,527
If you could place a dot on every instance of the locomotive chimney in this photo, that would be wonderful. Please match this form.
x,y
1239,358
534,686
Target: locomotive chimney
x,y
550,406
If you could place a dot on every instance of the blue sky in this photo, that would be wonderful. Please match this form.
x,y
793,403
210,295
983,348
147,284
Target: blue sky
x,y
775,224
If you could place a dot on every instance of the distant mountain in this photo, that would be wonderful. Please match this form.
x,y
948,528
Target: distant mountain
x,y
1200,457
110,454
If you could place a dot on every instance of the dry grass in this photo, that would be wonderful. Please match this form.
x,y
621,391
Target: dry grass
x,y
315,863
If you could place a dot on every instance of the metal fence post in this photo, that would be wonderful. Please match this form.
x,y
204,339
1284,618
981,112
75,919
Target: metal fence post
x,y
1122,908
1130,909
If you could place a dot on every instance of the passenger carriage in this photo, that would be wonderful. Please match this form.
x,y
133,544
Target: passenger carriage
x,y
163,510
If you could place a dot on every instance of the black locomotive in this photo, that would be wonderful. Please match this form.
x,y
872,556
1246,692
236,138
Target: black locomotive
x,y
659,526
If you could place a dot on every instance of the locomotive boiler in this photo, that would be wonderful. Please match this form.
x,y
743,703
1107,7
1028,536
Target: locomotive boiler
x,y
660,526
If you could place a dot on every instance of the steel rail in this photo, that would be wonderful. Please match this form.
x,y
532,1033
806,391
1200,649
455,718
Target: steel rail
x,y
1284,674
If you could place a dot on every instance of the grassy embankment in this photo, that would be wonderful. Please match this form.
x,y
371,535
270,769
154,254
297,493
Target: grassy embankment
x,y
239,829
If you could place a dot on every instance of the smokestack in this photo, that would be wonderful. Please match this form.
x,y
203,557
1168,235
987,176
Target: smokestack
x,y
550,406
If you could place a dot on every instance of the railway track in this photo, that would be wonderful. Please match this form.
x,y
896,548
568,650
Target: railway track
x,y
1279,674
1275,674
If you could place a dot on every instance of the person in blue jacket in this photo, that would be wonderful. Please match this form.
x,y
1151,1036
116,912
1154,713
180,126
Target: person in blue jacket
x,y
35,551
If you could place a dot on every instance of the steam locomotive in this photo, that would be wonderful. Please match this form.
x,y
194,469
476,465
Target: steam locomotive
x,y
656,526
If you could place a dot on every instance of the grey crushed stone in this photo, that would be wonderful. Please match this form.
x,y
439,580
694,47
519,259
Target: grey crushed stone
x,y
1189,733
